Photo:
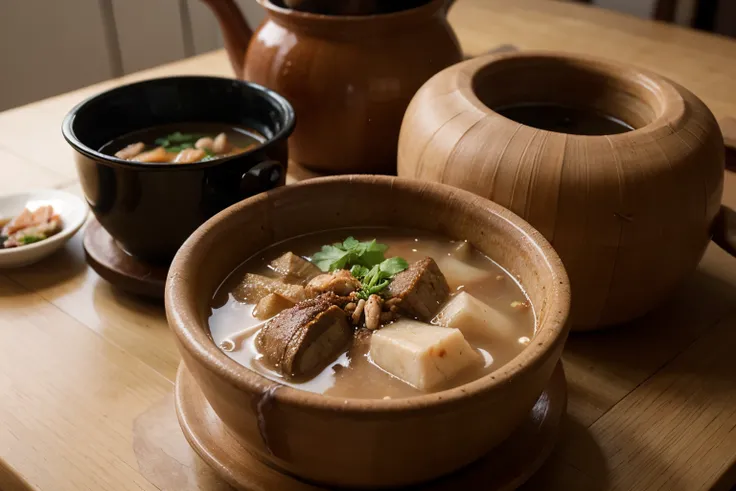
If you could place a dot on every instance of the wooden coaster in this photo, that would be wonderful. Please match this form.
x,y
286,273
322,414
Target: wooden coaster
x,y
506,468
120,268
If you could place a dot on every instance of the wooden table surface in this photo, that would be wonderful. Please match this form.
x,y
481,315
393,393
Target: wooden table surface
x,y
86,372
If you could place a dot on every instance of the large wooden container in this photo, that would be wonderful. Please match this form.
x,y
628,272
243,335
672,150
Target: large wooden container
x,y
630,214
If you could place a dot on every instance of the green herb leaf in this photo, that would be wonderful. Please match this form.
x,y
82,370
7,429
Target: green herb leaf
x,y
179,137
179,148
366,262
393,265
349,252
359,271
162,142
370,253
350,243
330,258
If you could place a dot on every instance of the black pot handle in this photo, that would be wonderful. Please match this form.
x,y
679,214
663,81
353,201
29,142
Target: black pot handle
x,y
724,230
262,177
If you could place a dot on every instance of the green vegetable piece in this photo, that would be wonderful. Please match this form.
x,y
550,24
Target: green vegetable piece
x,y
179,137
30,239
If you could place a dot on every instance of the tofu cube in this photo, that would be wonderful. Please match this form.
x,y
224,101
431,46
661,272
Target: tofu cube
x,y
460,273
475,319
422,355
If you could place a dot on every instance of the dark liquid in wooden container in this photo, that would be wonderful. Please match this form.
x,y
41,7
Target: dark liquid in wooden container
x,y
564,119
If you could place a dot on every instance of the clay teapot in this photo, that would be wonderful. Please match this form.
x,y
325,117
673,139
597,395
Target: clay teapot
x,y
626,186
349,77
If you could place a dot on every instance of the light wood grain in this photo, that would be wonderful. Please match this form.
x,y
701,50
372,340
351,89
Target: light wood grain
x,y
86,372
623,210
701,62
69,398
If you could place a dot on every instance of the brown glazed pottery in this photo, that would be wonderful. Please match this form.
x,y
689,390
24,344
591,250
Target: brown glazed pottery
x,y
630,214
350,78
361,442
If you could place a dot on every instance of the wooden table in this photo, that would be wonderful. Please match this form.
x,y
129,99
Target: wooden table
x,y
86,371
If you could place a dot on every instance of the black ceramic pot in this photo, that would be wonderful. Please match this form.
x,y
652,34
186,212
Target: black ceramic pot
x,y
150,209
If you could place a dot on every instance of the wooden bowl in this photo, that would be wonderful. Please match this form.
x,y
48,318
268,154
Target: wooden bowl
x,y
630,214
361,442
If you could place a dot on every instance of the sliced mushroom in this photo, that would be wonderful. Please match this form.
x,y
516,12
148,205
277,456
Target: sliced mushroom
x,y
205,143
130,151
221,145
358,312
189,156
373,312
340,282
157,155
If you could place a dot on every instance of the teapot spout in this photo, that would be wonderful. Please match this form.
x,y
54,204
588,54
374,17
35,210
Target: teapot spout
x,y
235,32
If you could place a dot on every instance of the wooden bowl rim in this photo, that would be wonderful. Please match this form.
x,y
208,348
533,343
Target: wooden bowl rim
x,y
182,312
673,114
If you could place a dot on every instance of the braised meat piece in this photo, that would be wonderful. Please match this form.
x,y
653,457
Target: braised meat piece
x,y
420,289
270,305
303,339
255,286
340,282
292,266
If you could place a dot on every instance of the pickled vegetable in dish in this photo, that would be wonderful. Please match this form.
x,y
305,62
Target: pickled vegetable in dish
x,y
371,313
29,227
183,144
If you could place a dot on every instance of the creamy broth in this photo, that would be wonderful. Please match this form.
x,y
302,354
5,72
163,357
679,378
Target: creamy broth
x,y
352,374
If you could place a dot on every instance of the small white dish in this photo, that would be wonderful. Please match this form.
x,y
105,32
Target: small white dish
x,y
73,212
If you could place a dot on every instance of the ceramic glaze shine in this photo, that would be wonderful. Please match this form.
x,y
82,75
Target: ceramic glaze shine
x,y
352,375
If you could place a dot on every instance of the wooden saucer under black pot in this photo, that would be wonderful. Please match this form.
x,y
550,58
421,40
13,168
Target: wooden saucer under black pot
x,y
118,267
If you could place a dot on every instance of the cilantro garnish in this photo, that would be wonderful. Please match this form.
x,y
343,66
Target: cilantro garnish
x,y
366,262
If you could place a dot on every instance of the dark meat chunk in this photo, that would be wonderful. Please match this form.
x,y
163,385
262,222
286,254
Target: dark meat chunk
x,y
255,286
420,290
294,267
302,340
340,282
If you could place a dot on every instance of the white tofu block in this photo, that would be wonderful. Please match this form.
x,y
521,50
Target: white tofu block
x,y
476,320
460,273
421,355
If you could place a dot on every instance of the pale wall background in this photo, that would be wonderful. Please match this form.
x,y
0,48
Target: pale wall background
x,y
49,47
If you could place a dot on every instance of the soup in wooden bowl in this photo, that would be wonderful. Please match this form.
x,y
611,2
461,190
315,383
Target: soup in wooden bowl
x,y
401,328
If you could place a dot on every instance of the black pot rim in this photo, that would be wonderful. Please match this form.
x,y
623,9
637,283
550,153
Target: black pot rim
x,y
71,137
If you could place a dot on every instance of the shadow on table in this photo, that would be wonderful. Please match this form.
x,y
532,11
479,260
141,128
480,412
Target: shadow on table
x,y
630,353
560,473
